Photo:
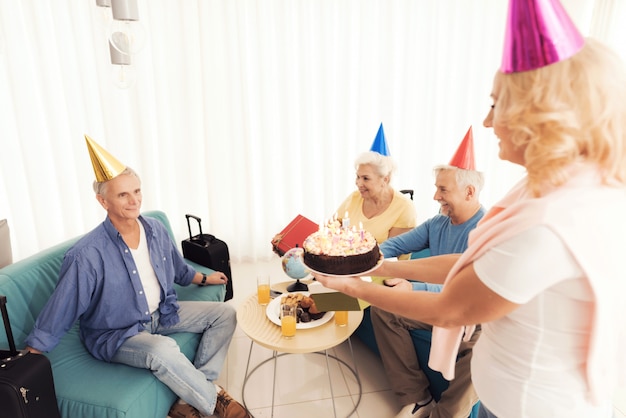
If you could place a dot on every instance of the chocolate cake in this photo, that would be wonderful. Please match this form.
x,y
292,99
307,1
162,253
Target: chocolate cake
x,y
338,250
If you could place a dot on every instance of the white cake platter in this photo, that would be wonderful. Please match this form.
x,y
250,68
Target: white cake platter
x,y
363,273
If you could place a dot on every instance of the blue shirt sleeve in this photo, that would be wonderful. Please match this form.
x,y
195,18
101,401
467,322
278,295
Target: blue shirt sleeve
x,y
412,241
426,287
68,302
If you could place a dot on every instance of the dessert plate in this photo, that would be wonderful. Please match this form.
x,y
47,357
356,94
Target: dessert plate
x,y
273,314
363,273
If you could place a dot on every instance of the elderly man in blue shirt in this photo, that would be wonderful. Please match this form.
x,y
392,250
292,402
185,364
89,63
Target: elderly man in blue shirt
x,y
457,191
118,280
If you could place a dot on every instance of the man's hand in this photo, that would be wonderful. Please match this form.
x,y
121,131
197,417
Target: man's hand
x,y
400,284
33,350
216,277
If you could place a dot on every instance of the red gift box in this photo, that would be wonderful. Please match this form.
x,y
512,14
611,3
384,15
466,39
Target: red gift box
x,y
295,233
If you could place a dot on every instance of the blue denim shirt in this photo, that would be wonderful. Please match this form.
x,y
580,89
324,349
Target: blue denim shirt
x,y
99,284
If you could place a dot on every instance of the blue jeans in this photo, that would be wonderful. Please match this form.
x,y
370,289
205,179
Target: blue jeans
x,y
152,349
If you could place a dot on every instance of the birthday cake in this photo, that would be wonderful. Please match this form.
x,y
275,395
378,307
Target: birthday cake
x,y
338,249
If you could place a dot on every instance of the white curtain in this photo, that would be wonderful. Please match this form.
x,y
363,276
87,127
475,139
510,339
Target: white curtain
x,y
246,112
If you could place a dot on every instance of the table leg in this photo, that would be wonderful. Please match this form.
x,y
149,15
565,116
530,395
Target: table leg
x,y
246,376
356,371
330,382
275,356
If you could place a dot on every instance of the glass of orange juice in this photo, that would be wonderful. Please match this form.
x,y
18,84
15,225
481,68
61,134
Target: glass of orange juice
x,y
288,319
263,289
341,318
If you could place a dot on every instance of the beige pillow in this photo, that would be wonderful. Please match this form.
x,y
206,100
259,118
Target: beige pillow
x,y
6,255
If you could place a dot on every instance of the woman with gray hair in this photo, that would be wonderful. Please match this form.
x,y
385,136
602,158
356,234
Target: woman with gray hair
x,y
383,211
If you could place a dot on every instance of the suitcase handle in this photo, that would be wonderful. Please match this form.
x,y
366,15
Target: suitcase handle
x,y
7,324
189,224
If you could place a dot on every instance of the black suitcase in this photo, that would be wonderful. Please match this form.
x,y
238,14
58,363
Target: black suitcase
x,y
26,383
208,251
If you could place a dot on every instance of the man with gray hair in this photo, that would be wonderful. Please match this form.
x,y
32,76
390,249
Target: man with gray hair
x,y
118,282
457,193
458,187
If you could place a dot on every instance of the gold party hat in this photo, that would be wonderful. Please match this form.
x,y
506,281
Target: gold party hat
x,y
105,166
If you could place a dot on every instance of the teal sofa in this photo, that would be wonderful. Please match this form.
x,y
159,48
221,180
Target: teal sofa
x,y
86,387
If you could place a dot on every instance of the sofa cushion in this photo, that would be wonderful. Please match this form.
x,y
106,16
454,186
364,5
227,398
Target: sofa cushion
x,y
148,397
136,393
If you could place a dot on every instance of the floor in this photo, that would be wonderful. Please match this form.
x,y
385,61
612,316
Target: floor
x,y
302,385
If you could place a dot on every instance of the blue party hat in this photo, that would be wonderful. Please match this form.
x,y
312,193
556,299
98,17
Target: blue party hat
x,y
380,144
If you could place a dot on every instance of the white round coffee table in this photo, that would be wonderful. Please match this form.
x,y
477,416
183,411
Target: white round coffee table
x,y
254,323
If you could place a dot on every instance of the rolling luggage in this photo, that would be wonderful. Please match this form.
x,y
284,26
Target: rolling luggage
x,y
208,251
26,383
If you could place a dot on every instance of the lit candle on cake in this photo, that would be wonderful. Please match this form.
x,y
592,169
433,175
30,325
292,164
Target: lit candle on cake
x,y
345,222
361,229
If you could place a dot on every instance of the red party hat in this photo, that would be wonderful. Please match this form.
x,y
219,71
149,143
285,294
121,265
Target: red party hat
x,y
464,155
538,33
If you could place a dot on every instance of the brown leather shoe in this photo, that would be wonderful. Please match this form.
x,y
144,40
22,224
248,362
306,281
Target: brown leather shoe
x,y
183,410
227,407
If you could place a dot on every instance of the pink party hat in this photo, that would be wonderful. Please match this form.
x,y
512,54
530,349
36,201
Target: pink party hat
x,y
464,155
380,144
538,33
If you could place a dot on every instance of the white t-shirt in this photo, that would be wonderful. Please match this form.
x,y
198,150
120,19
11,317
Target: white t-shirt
x,y
531,363
149,281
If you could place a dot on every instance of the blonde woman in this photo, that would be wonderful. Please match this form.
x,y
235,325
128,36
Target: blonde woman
x,y
543,272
